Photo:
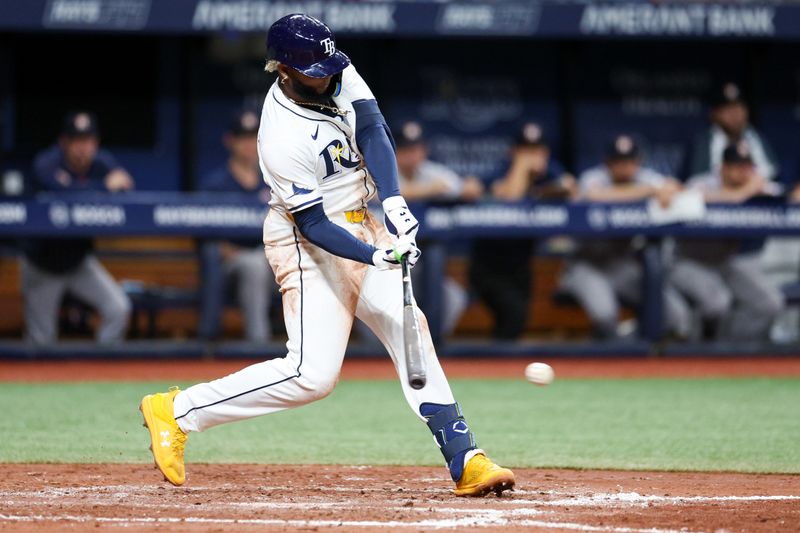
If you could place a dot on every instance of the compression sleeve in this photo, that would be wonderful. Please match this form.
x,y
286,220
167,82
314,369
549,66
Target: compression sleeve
x,y
320,231
376,144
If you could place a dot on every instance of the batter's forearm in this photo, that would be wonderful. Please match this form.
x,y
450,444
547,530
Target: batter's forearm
x,y
315,226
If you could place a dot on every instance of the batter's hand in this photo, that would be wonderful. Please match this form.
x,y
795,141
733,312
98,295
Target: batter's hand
x,y
390,259
398,218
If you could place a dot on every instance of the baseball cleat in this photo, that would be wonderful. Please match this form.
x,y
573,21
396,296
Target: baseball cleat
x,y
167,439
481,476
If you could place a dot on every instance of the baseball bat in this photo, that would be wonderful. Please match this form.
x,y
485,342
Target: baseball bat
x,y
415,363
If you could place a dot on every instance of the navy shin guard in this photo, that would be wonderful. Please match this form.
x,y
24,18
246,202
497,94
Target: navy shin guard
x,y
451,432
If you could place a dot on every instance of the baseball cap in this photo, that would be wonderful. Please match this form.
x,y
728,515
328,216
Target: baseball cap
x,y
408,134
80,123
244,122
622,147
727,93
530,134
737,153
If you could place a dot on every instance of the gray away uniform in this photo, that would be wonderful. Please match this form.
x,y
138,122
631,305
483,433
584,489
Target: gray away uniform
x,y
727,287
603,272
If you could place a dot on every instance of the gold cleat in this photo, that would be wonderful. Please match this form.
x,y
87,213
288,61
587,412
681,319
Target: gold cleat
x,y
481,476
167,440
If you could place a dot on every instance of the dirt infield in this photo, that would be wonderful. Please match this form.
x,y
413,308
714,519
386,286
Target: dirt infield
x,y
221,498
382,368
351,498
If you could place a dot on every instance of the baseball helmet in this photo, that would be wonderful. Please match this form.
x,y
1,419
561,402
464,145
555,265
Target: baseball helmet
x,y
305,44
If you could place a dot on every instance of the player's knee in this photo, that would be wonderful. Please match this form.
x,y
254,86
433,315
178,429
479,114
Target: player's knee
x,y
716,305
769,304
116,309
316,387
604,319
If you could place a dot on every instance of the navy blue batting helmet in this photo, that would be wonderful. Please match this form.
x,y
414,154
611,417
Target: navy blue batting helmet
x,y
305,44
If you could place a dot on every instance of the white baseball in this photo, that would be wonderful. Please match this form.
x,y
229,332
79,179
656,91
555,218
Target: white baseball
x,y
540,373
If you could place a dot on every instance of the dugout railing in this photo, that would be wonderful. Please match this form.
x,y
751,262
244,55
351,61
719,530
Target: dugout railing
x,y
207,216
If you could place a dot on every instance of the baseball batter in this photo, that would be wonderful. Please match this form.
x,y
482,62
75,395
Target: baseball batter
x,y
325,150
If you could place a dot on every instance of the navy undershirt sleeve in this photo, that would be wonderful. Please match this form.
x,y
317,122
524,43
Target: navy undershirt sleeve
x,y
376,144
320,231
45,167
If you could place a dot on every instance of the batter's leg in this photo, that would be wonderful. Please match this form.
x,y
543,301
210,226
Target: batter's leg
x,y
380,306
318,313
42,293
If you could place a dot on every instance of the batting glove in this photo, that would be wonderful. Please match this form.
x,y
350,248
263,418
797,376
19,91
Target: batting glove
x,y
390,259
398,218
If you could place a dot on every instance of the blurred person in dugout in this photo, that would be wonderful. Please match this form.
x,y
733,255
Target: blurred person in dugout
x,y
243,261
604,272
723,278
52,267
423,180
730,124
500,269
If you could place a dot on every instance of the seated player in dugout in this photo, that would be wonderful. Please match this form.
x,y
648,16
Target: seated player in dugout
x,y
243,260
424,180
533,172
730,123
500,269
723,278
325,149
52,267
604,272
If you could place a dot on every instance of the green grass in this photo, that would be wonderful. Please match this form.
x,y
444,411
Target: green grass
x,y
750,425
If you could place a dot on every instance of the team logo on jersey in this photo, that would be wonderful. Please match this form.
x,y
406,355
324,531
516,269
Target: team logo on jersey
x,y
299,190
330,46
337,156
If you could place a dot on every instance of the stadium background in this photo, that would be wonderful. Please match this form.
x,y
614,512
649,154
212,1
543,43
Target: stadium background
x,y
643,435
471,72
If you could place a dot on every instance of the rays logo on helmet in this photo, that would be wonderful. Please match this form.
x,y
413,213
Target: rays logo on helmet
x,y
330,46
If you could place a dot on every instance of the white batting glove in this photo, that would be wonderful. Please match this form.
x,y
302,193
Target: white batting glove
x,y
390,259
398,218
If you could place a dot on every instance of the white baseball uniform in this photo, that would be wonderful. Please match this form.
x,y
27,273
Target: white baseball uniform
x,y
308,158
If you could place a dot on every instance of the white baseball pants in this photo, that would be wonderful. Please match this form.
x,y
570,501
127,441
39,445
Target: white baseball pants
x,y
321,295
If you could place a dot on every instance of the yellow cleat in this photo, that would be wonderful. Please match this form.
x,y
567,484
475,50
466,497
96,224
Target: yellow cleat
x,y
481,476
167,440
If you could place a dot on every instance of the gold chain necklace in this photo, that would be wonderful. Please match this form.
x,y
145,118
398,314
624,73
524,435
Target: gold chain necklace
x,y
332,109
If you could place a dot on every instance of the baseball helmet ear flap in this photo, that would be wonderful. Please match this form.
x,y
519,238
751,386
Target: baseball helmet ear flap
x,y
335,86
305,44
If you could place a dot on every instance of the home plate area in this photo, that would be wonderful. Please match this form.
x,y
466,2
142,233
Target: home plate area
x,y
364,498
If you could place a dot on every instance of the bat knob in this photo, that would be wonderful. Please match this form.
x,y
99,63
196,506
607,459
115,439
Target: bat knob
x,y
417,382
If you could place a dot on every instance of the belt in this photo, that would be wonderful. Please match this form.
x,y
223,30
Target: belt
x,y
356,216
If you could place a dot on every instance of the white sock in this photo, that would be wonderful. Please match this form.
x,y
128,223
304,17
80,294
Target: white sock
x,y
470,454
